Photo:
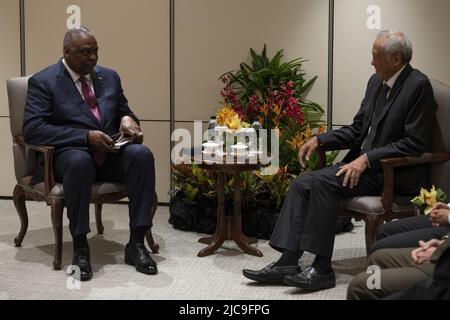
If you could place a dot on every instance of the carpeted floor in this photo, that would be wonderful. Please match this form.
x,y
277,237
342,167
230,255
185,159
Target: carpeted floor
x,y
26,272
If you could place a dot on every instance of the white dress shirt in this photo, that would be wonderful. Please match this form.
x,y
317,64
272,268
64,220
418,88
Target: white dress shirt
x,y
75,77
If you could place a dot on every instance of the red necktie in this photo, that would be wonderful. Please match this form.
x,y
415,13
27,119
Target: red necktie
x,y
91,101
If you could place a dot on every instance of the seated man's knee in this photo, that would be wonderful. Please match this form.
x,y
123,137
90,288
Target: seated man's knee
x,y
140,154
381,231
358,287
302,181
375,257
81,162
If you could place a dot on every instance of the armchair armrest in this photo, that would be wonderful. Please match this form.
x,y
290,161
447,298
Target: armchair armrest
x,y
47,152
388,165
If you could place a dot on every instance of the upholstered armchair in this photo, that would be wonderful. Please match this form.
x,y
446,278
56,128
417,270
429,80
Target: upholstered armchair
x,y
50,191
374,211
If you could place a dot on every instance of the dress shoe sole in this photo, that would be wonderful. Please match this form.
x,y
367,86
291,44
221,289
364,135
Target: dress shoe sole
x,y
86,277
262,279
139,269
309,287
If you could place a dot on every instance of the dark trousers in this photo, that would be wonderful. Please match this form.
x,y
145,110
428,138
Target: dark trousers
x,y
307,220
133,165
406,233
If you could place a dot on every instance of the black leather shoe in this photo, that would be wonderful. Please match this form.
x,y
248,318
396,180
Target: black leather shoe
x,y
81,258
309,279
137,255
271,273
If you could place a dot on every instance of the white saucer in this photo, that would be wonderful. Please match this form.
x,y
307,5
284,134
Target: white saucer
x,y
239,154
220,153
255,152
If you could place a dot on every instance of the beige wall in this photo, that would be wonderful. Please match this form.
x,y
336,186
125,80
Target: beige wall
x,y
9,67
425,22
133,38
213,37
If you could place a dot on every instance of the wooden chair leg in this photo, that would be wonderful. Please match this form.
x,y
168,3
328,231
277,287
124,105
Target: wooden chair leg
x,y
19,203
98,218
57,207
372,224
149,236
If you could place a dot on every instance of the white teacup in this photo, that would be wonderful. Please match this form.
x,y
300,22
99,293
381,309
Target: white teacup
x,y
239,149
210,147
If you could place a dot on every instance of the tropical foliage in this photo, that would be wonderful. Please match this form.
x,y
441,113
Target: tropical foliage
x,y
274,92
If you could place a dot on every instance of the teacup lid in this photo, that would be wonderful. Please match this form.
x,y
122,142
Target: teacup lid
x,y
246,130
220,128
239,145
210,144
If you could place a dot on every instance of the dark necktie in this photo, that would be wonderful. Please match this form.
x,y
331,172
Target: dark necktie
x,y
91,101
381,103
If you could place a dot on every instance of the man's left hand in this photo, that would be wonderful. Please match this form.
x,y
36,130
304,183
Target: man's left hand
x,y
129,127
353,171
439,216
425,251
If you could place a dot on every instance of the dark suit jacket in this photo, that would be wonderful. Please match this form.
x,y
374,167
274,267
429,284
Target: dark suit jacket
x,y
440,288
56,114
403,129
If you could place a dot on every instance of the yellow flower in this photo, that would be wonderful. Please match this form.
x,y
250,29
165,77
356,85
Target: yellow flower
x,y
277,110
321,129
225,115
265,109
426,199
308,133
228,117
234,123
297,141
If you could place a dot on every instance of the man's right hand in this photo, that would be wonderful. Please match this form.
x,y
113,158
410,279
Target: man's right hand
x,y
305,152
425,251
439,214
100,141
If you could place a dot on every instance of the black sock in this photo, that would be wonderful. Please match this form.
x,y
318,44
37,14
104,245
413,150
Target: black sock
x,y
322,265
289,258
137,235
80,242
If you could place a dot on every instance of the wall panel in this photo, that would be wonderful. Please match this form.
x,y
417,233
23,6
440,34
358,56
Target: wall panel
x,y
214,36
133,38
156,137
426,23
10,48
9,67
7,177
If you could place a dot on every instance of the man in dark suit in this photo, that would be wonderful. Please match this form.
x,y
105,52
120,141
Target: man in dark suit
x,y
405,233
405,273
395,119
77,107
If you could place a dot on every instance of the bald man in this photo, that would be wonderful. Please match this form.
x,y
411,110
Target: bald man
x,y
395,119
78,107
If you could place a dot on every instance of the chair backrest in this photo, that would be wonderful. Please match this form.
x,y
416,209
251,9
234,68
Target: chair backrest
x,y
24,159
440,172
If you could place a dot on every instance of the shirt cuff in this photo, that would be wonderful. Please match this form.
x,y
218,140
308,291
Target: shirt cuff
x,y
367,160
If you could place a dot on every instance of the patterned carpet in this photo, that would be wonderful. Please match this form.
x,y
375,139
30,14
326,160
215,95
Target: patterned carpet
x,y
26,272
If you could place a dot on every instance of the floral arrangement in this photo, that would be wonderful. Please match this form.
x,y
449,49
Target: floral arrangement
x,y
428,198
274,92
